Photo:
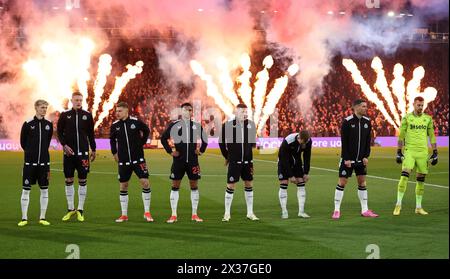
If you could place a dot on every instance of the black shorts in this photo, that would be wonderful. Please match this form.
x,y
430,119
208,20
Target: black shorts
x,y
359,168
178,170
288,169
125,171
237,171
76,162
31,174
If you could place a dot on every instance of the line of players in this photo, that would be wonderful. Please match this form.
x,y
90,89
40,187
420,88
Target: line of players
x,y
75,131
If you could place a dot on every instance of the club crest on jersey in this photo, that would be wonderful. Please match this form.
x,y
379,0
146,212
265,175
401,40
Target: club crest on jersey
x,y
366,126
133,126
47,127
84,117
231,179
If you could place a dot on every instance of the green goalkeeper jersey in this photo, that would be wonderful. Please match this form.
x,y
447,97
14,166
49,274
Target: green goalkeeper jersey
x,y
415,131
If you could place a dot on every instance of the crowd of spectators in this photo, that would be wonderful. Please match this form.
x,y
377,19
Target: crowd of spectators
x,y
152,97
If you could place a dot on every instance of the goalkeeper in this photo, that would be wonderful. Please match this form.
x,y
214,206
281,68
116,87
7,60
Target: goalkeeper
x,y
415,129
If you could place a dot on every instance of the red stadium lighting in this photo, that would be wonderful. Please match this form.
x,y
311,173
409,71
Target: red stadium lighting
x,y
330,12
200,9
390,14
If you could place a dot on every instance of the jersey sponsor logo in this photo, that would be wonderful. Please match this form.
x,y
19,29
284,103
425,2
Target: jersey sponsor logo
x,y
419,127
47,127
84,117
69,116
353,125
32,127
366,126
133,126
117,128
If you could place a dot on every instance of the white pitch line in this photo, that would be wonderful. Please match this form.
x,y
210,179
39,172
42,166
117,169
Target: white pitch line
x,y
330,170
168,174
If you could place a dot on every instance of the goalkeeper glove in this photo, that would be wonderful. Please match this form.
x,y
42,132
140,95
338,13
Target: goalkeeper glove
x,y
399,157
434,158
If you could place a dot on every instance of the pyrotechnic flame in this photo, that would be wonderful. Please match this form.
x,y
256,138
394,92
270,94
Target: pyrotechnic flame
x,y
274,96
225,79
120,84
211,88
260,87
371,96
413,87
104,70
382,85
262,111
398,88
87,46
293,69
245,90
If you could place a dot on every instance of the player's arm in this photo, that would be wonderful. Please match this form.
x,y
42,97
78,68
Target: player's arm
x,y
345,133
430,133
252,134
24,135
401,140
368,141
204,139
50,134
165,139
222,143
307,158
91,136
113,141
145,131
60,127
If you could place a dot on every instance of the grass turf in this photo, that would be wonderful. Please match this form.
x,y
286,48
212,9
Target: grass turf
x,y
405,236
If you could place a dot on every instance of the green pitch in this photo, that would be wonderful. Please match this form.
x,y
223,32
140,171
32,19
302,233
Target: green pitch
x,y
406,236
